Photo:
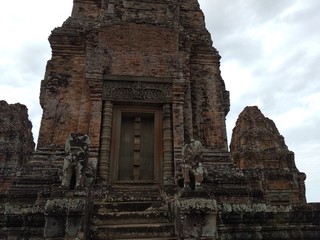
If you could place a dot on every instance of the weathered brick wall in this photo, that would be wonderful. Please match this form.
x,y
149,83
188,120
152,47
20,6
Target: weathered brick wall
x,y
139,50
63,98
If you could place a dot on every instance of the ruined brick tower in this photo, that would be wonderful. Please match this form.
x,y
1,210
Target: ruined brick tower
x,y
133,143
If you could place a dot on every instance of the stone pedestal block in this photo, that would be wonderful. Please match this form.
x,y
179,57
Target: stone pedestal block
x,y
197,218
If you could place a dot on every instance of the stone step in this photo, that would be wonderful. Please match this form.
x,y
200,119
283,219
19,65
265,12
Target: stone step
x,y
115,218
133,231
131,213
37,175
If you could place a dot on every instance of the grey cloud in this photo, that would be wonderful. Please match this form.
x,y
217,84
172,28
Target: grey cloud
x,y
242,14
242,46
308,14
297,76
305,133
32,58
267,10
304,24
224,19
29,63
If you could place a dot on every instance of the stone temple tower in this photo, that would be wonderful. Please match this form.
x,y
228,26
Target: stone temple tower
x,y
133,143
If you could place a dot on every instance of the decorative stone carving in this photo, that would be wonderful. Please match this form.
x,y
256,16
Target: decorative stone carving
x,y
145,91
76,160
192,156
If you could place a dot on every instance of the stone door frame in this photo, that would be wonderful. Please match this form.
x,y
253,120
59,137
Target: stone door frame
x,y
136,92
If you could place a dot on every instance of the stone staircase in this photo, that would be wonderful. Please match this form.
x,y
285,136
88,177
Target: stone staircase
x,y
132,213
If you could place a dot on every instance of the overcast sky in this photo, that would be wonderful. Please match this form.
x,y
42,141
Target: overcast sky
x,y
270,58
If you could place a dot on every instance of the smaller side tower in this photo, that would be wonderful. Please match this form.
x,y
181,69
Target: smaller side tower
x,y
260,151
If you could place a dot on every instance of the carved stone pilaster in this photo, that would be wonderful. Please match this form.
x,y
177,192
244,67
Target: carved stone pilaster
x,y
104,161
168,166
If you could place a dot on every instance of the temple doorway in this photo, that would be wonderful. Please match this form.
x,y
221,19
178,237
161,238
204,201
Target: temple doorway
x,y
136,144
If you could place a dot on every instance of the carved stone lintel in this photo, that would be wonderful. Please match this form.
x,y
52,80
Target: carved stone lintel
x,y
137,90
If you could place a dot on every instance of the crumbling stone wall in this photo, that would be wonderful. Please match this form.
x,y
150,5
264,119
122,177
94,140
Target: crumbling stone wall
x,y
16,140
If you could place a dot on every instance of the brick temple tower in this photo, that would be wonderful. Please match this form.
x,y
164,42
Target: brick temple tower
x,y
133,142
114,62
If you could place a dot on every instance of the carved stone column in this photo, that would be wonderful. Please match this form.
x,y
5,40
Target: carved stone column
x,y
104,161
168,165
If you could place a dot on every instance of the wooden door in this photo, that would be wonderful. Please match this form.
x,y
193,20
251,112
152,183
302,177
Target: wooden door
x,y
136,144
